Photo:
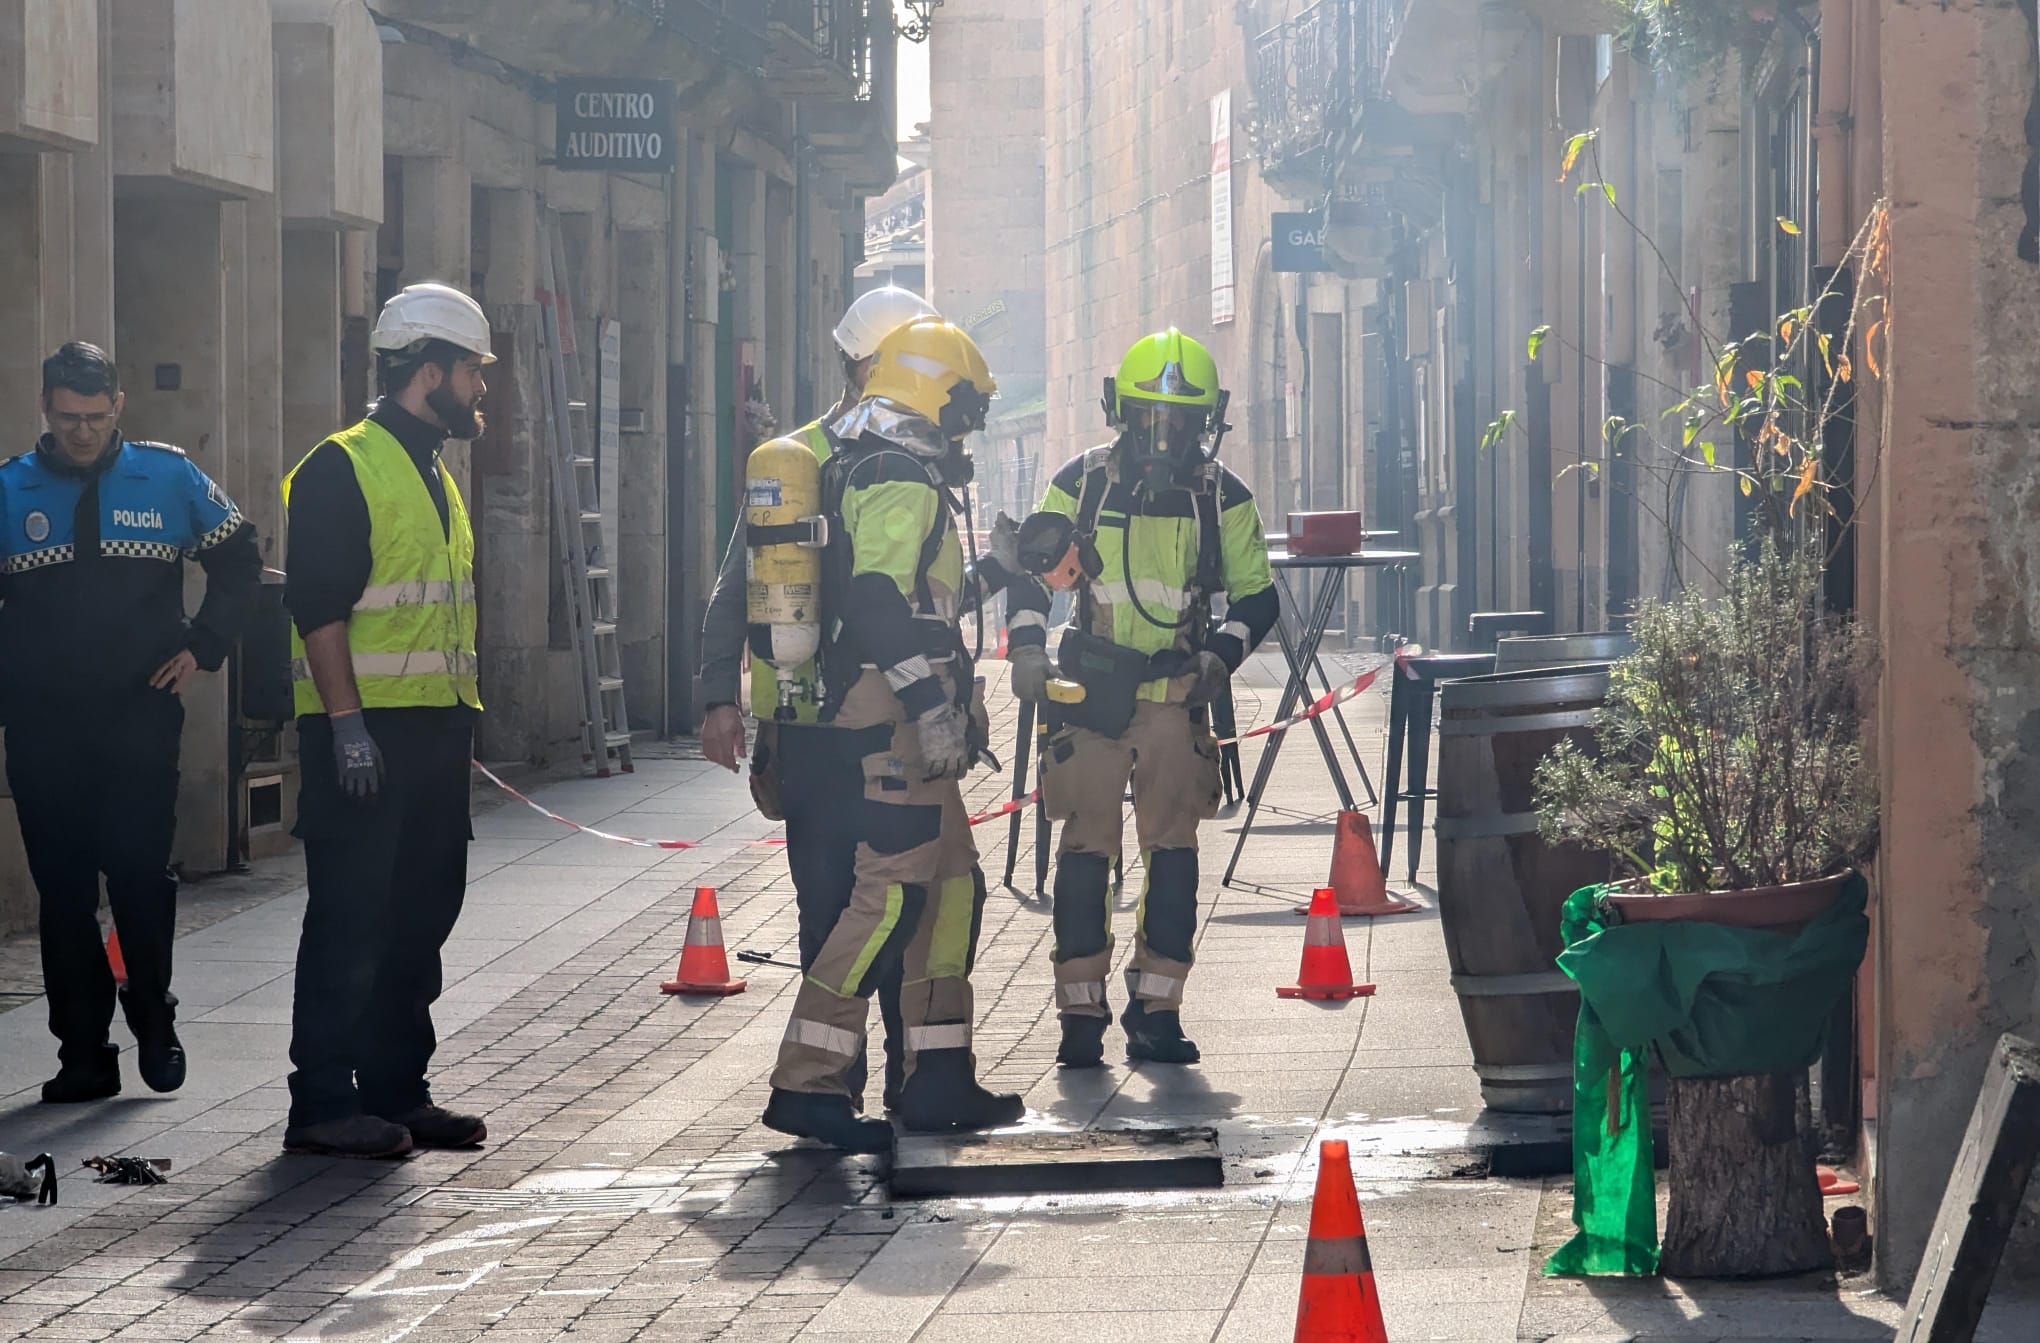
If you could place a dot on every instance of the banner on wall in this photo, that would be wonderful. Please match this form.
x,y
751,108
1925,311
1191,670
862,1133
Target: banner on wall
x,y
1221,209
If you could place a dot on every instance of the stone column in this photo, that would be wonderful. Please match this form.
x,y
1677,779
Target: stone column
x,y
512,503
169,319
438,245
312,320
1958,725
641,522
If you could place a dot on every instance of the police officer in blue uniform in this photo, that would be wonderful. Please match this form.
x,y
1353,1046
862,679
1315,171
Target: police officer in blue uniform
x,y
95,648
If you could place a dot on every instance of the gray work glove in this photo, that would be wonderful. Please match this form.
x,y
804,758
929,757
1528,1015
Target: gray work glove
x,y
1031,672
944,734
356,756
1212,675
1005,544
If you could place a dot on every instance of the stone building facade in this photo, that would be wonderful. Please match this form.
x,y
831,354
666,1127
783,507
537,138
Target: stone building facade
x,y
1737,187
224,191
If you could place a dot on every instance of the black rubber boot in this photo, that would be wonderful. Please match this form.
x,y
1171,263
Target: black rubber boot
x,y
1083,1041
827,1119
943,1097
1156,1037
159,1054
92,1080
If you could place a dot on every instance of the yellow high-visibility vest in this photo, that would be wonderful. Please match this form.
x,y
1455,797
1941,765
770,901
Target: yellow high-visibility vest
x,y
412,633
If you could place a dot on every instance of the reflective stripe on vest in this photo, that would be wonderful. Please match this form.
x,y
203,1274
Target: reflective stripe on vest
x,y
764,681
411,635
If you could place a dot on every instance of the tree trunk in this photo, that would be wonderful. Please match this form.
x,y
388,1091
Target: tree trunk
x,y
1745,1196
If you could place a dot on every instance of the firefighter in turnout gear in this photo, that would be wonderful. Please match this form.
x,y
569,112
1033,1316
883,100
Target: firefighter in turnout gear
x,y
1158,528
801,771
900,692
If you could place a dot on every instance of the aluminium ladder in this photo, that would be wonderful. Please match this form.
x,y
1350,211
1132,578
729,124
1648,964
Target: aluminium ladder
x,y
577,518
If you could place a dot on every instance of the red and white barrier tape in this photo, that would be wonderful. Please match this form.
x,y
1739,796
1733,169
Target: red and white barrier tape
x,y
1322,705
631,840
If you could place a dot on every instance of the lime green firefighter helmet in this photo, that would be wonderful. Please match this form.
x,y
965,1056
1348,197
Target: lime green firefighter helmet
x,y
1167,404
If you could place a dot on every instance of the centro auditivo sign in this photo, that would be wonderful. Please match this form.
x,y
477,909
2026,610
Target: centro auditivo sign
x,y
615,125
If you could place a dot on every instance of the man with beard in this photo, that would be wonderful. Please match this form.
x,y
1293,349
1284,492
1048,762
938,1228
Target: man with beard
x,y
95,652
382,603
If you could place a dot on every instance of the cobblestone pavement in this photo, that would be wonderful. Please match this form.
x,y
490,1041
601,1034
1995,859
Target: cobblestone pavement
x,y
628,1191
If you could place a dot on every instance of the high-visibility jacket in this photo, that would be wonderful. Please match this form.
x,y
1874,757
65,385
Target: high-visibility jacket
x,y
764,681
1150,548
412,633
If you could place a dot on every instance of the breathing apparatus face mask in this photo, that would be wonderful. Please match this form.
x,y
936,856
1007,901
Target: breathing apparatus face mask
x,y
1165,443
962,415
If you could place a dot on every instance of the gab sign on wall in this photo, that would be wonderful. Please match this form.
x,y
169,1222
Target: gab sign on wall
x,y
1298,244
615,125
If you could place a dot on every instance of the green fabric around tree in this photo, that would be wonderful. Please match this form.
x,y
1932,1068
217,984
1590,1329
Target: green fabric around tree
x,y
1704,1000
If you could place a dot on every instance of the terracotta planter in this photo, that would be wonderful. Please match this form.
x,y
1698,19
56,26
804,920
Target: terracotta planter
x,y
1779,907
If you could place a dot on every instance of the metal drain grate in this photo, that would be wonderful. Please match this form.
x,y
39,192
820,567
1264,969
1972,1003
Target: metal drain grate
x,y
553,1200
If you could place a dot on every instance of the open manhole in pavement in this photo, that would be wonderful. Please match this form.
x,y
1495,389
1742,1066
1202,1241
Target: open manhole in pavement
x,y
1041,1156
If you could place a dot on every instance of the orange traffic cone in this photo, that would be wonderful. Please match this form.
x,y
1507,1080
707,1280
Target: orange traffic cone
x,y
1339,1303
1326,972
114,960
704,969
1356,872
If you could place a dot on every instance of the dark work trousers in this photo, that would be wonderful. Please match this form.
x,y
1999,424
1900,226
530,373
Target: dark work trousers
x,y
386,878
95,789
821,782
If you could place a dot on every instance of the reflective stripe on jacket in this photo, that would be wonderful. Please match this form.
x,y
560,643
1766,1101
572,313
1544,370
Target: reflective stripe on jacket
x,y
412,633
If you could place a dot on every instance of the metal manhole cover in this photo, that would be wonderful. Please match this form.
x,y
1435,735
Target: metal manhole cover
x,y
553,1200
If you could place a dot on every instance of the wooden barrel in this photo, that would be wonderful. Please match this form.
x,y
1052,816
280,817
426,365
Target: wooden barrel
x,y
1561,650
1500,887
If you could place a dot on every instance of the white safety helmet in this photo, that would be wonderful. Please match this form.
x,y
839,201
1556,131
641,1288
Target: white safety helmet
x,y
876,315
432,312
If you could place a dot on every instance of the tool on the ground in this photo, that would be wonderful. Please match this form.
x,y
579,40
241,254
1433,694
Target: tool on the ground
x,y
704,968
1358,886
123,1169
1339,1301
762,958
1327,973
577,517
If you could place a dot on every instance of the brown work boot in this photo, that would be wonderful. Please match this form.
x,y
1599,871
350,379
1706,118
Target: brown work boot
x,y
436,1126
362,1136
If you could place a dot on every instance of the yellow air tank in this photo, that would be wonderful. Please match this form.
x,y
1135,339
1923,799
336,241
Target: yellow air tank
x,y
785,533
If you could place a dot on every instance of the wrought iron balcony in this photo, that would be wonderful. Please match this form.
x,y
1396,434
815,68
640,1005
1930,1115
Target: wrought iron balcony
x,y
733,28
819,49
1313,77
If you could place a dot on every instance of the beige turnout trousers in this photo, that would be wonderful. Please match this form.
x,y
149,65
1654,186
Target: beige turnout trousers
x,y
1173,763
916,898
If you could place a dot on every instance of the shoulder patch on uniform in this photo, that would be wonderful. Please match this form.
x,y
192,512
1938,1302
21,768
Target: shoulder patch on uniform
x,y
217,496
159,447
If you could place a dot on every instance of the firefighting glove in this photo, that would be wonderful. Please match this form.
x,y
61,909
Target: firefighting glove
x,y
1031,673
1005,544
357,756
1212,675
945,746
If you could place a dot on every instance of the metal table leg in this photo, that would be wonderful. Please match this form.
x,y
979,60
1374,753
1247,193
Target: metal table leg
x,y
1294,690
